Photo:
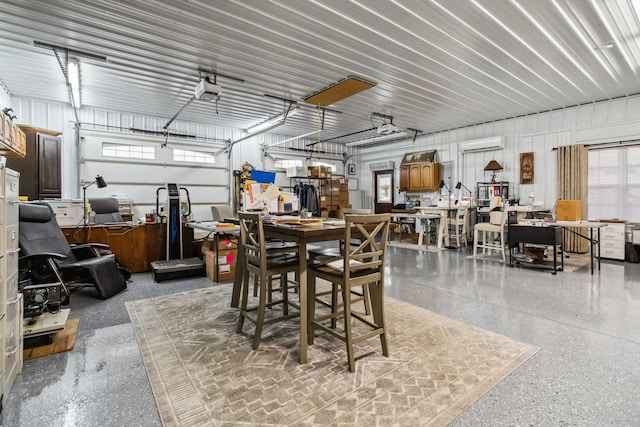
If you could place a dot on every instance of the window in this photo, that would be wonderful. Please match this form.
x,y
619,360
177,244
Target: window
x,y
287,163
125,151
614,183
193,156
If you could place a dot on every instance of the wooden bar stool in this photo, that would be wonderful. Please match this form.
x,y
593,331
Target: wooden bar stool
x,y
264,265
362,265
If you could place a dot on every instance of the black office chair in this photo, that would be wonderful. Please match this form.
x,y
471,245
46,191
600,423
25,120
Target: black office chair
x,y
105,210
46,256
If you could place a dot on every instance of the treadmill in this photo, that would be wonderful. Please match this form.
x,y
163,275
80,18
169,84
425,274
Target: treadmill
x,y
175,266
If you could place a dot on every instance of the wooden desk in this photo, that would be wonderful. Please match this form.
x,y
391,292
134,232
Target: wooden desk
x,y
136,245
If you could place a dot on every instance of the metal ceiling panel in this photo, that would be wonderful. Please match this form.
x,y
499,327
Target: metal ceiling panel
x,y
438,65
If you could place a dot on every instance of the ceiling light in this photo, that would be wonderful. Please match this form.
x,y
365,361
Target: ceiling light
x,y
377,139
272,122
73,77
604,46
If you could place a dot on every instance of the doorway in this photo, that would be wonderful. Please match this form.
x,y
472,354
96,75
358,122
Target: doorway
x,y
383,191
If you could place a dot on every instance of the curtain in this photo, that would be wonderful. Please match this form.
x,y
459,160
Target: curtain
x,y
573,169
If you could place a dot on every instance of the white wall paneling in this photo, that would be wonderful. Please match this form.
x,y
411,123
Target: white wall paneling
x,y
606,121
140,179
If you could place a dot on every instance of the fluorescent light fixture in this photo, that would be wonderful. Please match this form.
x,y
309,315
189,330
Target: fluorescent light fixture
x,y
73,75
272,122
378,139
293,138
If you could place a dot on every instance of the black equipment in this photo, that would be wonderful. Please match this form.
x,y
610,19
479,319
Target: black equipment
x,y
175,267
40,298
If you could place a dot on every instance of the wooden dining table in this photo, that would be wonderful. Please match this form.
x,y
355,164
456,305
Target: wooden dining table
x,y
302,235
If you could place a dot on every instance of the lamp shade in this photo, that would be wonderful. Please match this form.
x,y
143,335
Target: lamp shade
x,y
100,182
458,185
441,183
493,166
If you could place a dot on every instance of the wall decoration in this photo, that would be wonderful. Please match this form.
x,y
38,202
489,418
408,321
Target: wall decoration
x,y
526,168
351,169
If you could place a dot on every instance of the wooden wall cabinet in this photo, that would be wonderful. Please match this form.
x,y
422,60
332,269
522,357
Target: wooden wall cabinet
x,y
424,176
404,178
40,169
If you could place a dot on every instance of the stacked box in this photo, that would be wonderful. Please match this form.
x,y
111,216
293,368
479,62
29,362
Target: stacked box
x,y
220,256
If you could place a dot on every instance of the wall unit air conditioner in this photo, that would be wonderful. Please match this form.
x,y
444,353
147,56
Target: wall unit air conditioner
x,y
380,166
485,144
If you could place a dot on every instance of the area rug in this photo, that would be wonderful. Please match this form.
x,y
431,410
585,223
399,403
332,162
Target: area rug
x,y
202,373
414,247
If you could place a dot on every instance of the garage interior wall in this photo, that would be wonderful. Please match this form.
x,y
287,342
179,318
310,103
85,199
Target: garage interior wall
x,y
606,121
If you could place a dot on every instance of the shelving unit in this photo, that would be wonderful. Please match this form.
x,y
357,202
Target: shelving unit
x,y
485,191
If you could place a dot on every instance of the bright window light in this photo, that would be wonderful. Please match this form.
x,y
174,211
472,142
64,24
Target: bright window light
x,y
125,151
193,156
74,81
287,163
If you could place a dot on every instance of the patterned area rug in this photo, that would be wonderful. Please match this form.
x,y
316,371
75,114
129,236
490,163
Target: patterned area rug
x,y
202,373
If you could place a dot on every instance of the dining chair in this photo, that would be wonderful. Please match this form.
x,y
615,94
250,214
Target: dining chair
x,y
361,265
333,253
456,227
264,264
491,236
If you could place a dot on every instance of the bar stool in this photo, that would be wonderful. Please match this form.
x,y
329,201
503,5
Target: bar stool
x,y
490,236
362,265
264,265
456,227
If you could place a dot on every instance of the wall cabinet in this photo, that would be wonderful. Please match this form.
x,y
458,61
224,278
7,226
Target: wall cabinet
x,y
40,170
424,176
404,178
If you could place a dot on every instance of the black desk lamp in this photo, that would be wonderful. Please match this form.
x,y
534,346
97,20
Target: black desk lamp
x,y
100,182
460,185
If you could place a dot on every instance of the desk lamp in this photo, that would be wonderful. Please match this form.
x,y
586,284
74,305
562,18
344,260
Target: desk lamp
x,y
493,166
460,185
100,182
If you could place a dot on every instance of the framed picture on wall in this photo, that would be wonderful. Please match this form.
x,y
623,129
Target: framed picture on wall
x,y
351,169
526,168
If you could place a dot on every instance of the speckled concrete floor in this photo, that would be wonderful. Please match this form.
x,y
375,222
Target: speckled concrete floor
x,y
586,373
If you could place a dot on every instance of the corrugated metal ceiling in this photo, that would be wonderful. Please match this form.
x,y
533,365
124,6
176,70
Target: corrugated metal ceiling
x,y
437,64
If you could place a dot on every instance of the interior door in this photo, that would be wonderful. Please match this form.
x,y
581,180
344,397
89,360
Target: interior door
x,y
383,194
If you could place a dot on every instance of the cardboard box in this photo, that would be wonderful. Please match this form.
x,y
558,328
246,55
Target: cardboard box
x,y
220,267
569,210
297,171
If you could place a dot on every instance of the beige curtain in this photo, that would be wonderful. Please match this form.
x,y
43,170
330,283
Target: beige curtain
x,y
573,170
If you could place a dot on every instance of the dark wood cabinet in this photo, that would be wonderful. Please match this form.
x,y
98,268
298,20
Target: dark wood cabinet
x,y
40,171
404,178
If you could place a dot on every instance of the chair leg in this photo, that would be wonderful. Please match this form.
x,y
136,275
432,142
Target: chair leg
x,y
284,287
377,305
367,299
262,305
475,242
243,301
334,305
346,301
311,306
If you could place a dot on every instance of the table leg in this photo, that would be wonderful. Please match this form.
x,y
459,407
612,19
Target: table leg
x,y
443,220
302,270
592,247
237,277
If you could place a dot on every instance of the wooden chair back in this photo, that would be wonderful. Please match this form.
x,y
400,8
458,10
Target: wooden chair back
x,y
252,238
369,254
